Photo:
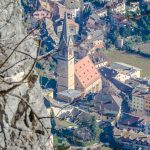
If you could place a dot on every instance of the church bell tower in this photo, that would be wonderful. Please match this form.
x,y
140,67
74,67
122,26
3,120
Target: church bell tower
x,y
65,66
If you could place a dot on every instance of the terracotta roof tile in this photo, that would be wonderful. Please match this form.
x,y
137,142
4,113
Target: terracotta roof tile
x,y
73,23
86,72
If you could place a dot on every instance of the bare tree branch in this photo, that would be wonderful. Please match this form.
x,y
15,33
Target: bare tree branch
x,y
1,65
13,65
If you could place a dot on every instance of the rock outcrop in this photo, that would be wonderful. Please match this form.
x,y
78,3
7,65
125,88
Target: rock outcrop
x,y
22,126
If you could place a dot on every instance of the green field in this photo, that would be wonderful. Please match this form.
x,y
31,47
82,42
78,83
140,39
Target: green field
x,y
131,59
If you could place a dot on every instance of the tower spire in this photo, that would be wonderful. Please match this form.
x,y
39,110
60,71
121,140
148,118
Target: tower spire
x,y
65,32
65,67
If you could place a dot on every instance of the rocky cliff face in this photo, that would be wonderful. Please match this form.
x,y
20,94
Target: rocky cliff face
x,y
21,101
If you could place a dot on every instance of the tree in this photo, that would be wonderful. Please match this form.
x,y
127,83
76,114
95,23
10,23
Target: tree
x,y
107,135
63,146
53,123
94,128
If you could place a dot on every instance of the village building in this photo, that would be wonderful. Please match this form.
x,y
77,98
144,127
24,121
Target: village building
x,y
130,122
46,5
117,7
141,103
73,8
93,19
99,59
41,14
130,139
94,40
58,11
119,20
127,121
95,22
65,67
50,30
134,7
71,77
146,1
70,95
120,42
87,77
125,71
107,106
102,12
121,72
73,27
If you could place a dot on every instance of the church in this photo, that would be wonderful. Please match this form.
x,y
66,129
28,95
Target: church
x,y
74,80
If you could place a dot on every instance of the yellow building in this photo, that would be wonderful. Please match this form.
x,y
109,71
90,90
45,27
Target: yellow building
x,y
137,102
141,103
147,103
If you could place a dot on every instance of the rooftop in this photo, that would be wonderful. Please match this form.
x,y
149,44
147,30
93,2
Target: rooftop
x,y
132,135
144,95
123,66
73,23
72,4
106,102
71,93
94,17
86,72
98,57
136,83
128,119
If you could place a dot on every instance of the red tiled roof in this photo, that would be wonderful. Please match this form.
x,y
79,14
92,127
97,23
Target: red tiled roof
x,y
73,23
86,72
99,46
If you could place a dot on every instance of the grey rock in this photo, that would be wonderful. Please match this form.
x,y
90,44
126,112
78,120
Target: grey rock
x,y
21,107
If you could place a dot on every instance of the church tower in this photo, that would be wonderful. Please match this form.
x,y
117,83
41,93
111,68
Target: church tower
x,y
65,66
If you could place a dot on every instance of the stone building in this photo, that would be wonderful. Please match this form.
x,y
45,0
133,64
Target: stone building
x,y
73,7
141,103
82,76
125,71
87,77
65,68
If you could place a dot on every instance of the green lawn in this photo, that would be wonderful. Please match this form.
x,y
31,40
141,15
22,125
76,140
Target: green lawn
x,y
55,140
131,59
64,123
89,143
